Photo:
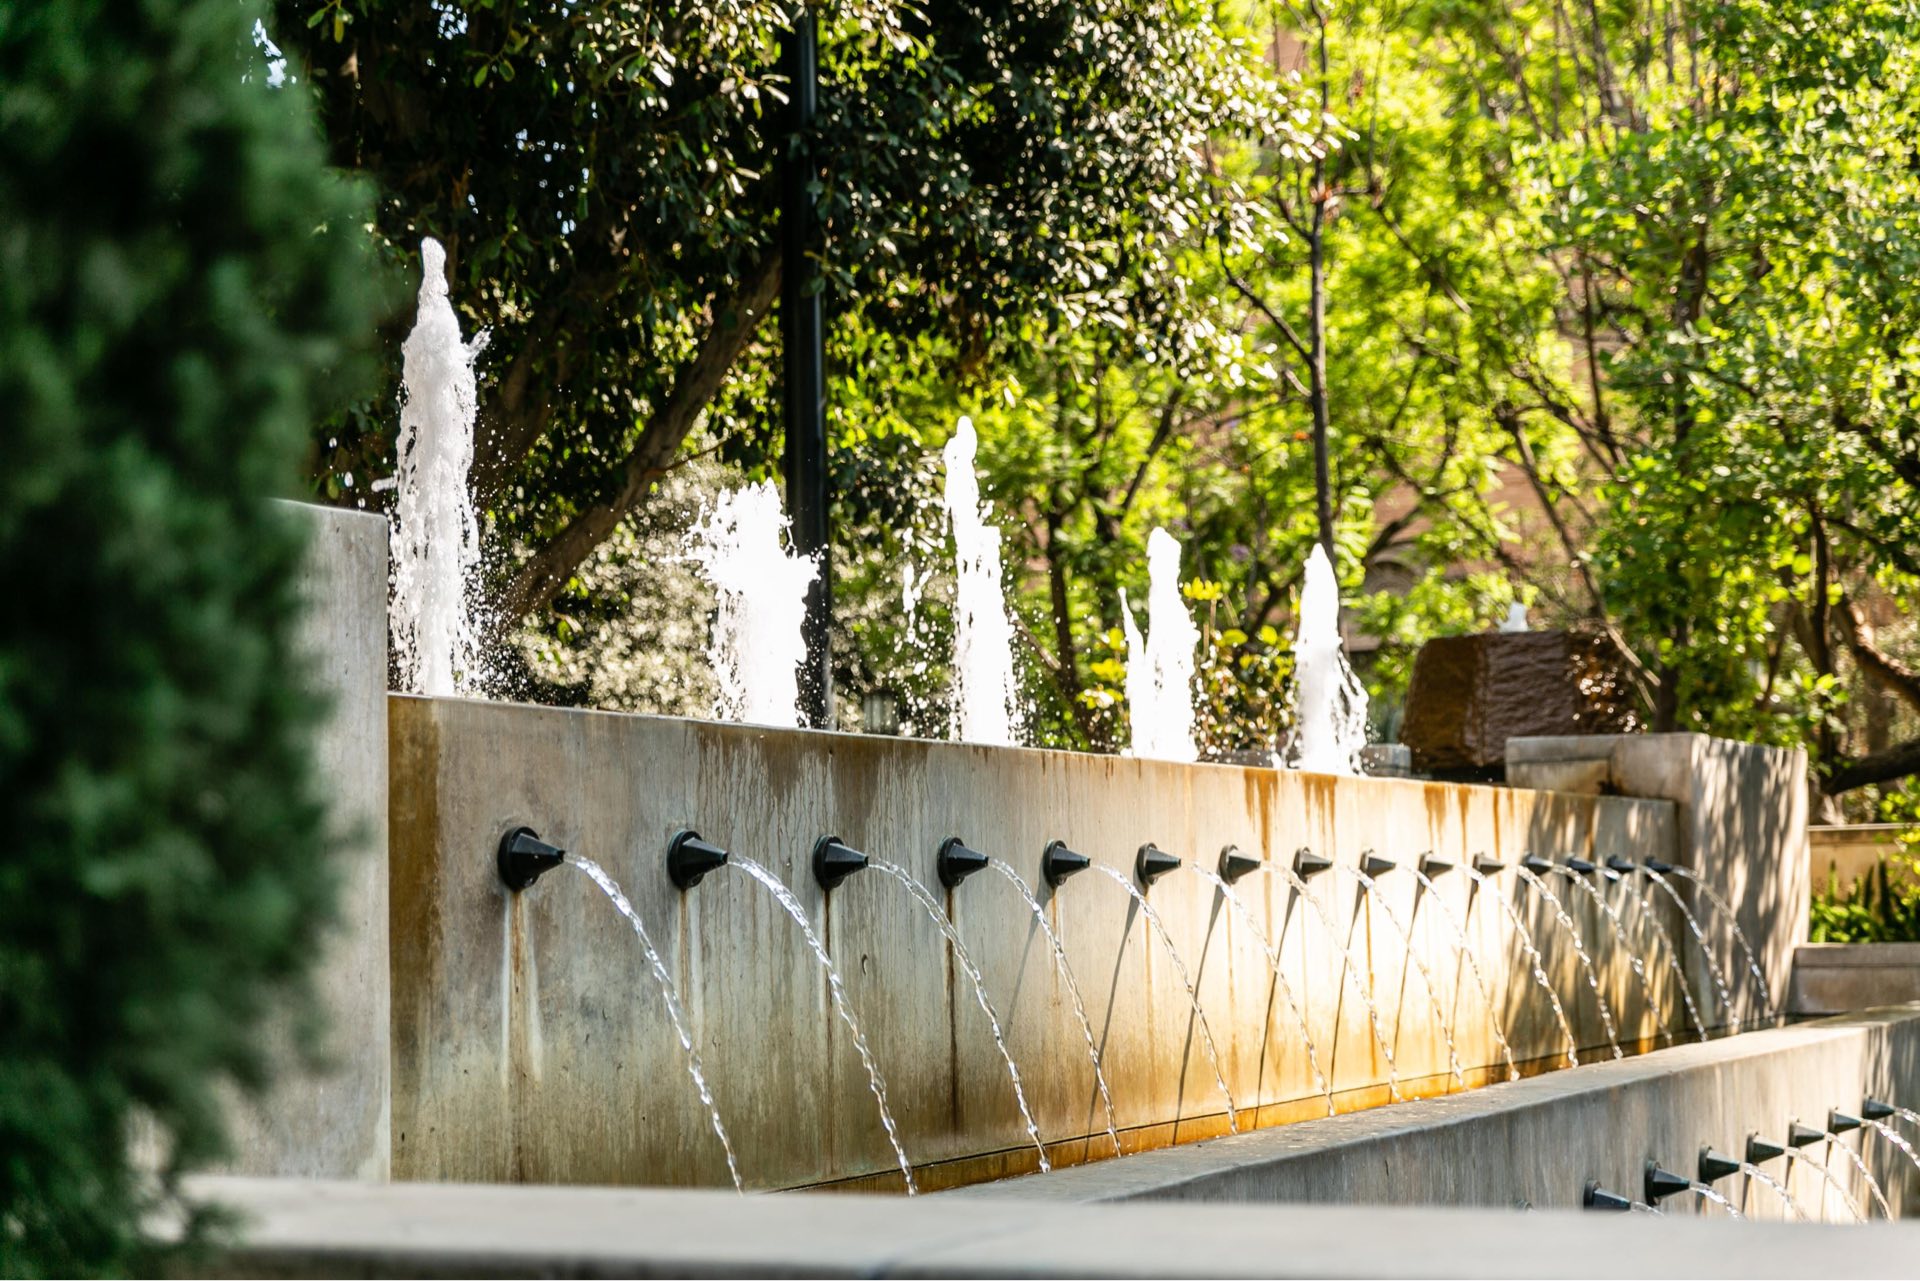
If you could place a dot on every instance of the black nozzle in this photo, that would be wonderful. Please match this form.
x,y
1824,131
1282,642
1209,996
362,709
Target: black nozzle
x,y
689,858
1800,1136
1431,867
834,862
1574,865
1536,864
1622,864
1656,865
1307,864
1234,864
1375,866
523,858
1488,865
1057,863
1758,1150
1152,863
1715,1166
1661,1184
1839,1122
956,862
1598,1198
1875,1110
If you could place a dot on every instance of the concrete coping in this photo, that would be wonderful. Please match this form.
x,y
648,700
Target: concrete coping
x,y
1850,955
295,1227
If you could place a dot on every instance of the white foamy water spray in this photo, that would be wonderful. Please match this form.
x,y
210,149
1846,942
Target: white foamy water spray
x,y
757,644
986,694
1160,666
1329,705
435,534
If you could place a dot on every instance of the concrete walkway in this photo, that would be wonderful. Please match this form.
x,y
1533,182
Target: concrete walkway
x,y
311,1228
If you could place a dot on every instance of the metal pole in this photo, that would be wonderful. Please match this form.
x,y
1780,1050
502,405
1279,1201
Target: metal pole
x,y
803,349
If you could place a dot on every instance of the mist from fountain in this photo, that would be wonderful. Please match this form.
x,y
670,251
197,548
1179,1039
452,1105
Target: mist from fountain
x,y
838,992
1160,666
435,534
1330,705
986,689
944,924
757,644
1580,951
1238,907
1186,980
1465,949
671,995
1073,992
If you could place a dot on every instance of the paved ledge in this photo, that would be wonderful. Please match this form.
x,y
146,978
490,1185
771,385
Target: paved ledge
x,y
1831,977
1537,1141
302,1228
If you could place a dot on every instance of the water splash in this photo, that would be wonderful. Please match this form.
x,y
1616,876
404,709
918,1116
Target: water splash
x,y
1186,980
671,994
1160,665
1330,706
1619,928
1706,1193
1073,993
757,645
1465,949
1579,950
838,991
986,691
1706,950
1725,909
944,924
1350,970
1779,1189
435,536
1372,888
1525,936
1234,903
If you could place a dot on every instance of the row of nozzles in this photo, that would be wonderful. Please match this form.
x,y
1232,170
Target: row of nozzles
x,y
1659,1183
522,858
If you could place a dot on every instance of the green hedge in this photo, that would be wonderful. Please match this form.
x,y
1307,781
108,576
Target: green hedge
x,y
182,291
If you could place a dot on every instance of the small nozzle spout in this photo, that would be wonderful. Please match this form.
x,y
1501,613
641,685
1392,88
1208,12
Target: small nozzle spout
x,y
1660,866
1488,865
956,862
834,862
1574,865
1307,864
1057,863
1536,864
1234,864
1758,1150
1661,1184
1375,866
1715,1166
1875,1110
522,858
689,858
1622,864
1431,867
1839,1122
1598,1198
1152,863
1800,1136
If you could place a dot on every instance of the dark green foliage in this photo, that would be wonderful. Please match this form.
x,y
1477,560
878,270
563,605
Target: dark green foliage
x,y
1882,910
179,291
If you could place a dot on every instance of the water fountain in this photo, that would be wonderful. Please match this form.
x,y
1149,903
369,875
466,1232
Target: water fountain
x,y
757,647
986,690
435,533
1330,706
1160,665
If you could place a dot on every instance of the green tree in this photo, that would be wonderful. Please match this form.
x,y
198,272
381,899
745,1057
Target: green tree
x,y
181,291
